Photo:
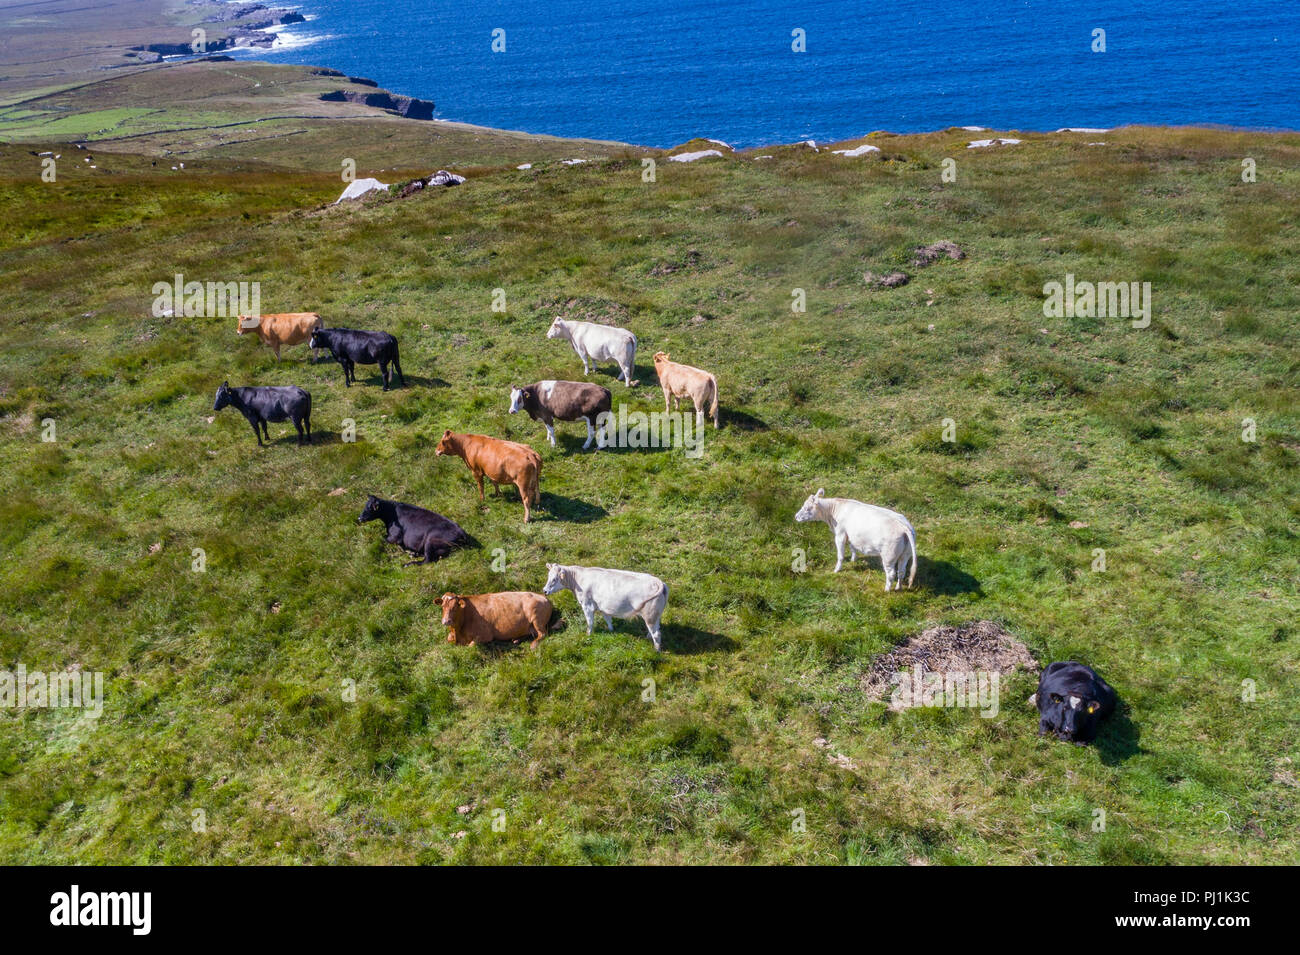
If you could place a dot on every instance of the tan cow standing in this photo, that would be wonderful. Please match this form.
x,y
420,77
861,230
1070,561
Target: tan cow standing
x,y
683,381
502,462
287,328
485,618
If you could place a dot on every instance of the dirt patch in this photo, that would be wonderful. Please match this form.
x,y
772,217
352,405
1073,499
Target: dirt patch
x,y
929,254
892,280
980,646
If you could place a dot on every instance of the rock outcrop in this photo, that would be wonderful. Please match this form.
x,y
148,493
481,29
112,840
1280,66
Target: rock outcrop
x,y
406,106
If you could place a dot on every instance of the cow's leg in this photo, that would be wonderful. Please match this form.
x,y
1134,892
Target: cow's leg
x,y
591,434
540,628
478,476
256,431
297,423
589,611
265,433
383,373
627,375
652,627
550,433
522,484
496,488
840,540
609,622
307,421
276,348
667,399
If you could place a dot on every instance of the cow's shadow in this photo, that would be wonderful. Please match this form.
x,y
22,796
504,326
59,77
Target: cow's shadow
x,y
739,420
682,640
1119,738
943,577
570,509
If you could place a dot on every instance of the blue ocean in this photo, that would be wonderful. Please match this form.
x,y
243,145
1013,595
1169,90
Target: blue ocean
x,y
659,73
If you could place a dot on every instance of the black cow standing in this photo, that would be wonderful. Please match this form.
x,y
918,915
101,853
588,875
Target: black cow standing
x,y
351,347
415,529
260,405
1072,701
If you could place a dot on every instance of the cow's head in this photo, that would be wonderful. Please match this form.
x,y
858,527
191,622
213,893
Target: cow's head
x,y
557,329
554,579
318,339
223,396
1071,718
453,606
445,444
518,396
371,511
240,327
660,358
809,510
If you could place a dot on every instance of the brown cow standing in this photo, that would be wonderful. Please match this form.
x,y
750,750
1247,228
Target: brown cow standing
x,y
503,462
683,381
288,328
483,618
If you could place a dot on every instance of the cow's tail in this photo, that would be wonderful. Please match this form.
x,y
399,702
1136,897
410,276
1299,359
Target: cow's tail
x,y
713,402
911,539
397,365
534,494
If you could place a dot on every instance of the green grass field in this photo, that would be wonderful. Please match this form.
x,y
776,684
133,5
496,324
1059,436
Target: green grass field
x,y
226,690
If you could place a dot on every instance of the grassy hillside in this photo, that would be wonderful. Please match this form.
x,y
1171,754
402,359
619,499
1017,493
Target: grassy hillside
x,y
225,689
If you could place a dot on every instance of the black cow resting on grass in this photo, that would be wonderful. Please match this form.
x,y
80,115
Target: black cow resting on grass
x,y
351,347
260,405
546,401
1072,701
415,529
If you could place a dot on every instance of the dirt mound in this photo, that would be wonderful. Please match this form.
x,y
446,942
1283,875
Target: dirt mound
x,y
929,254
980,646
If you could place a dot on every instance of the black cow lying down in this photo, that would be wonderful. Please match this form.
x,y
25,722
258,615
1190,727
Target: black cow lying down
x,y
260,405
1072,701
549,401
351,347
415,529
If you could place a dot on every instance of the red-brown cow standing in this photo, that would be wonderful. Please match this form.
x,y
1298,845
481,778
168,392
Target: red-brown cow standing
x,y
501,462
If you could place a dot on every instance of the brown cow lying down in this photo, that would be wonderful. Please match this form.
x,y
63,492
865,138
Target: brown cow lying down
x,y
288,328
483,618
683,381
502,462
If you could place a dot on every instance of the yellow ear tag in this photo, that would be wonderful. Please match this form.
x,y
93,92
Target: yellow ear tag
x,y
1092,707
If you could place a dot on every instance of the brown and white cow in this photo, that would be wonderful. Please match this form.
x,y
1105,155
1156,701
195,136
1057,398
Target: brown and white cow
x,y
288,328
548,401
485,618
502,462
683,381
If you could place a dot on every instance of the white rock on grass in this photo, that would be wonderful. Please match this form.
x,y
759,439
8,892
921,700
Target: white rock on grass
x,y
691,157
573,162
526,165
981,143
359,188
860,151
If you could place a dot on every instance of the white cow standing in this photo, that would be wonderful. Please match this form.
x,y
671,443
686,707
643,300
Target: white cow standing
x,y
867,529
598,343
611,593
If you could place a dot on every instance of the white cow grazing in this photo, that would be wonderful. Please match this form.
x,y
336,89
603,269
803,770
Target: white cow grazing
x,y
598,343
611,593
867,529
